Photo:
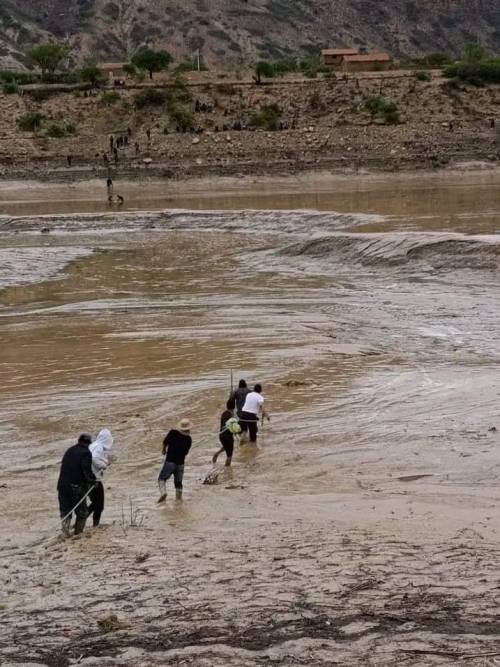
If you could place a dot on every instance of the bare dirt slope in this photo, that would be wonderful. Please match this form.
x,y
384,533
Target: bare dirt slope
x,y
247,29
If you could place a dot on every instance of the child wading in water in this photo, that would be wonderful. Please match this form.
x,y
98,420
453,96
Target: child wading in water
x,y
228,428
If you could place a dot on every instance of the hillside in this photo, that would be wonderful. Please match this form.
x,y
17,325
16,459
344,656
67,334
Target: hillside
x,y
240,31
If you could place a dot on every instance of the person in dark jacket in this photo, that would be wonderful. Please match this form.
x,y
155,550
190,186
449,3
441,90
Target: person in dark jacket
x,y
228,427
75,479
176,446
239,395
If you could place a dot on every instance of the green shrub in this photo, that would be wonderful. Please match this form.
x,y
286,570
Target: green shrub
x,y
10,88
55,131
437,60
59,131
474,53
130,69
422,75
91,74
179,92
387,109
60,77
268,118
182,117
487,71
30,122
110,97
149,98
283,67
375,105
263,69
21,78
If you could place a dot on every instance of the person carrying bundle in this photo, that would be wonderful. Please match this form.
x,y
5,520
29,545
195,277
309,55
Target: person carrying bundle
x,y
229,427
101,453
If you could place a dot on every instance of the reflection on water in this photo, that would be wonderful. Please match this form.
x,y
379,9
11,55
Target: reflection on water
x,y
378,353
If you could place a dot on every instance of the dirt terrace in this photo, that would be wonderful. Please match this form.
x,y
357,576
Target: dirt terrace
x,y
324,123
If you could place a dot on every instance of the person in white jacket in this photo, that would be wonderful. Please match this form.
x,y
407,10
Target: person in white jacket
x,y
101,453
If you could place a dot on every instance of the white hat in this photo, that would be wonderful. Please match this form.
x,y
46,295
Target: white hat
x,y
184,425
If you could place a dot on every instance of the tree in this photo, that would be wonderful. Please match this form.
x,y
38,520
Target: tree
x,y
437,60
48,57
151,61
91,74
263,68
474,53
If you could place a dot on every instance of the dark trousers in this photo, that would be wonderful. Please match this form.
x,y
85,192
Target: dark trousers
x,y
69,495
175,469
249,423
227,441
96,503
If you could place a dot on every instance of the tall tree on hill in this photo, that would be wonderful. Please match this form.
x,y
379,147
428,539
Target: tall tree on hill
x,y
263,69
91,74
48,57
474,53
151,61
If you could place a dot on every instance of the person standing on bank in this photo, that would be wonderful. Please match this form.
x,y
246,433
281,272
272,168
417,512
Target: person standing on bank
x,y
229,426
100,450
75,478
176,446
253,409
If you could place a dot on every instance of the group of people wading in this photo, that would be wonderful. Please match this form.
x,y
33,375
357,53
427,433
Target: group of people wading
x,y
83,465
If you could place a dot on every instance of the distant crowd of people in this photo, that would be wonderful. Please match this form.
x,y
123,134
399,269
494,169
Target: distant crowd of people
x,y
84,464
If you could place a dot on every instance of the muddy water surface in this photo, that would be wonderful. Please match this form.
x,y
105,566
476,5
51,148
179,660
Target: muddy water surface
x,y
375,335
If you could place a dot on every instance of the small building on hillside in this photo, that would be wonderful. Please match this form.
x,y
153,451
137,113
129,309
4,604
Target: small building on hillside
x,y
333,57
366,62
112,71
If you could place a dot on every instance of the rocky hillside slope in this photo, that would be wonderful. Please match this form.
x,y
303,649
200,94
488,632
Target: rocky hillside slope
x,y
239,31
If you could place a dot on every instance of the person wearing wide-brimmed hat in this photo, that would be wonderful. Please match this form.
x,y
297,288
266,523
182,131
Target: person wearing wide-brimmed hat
x,y
176,446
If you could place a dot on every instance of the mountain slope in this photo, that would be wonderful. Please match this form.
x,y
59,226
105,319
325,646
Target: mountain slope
x,y
240,31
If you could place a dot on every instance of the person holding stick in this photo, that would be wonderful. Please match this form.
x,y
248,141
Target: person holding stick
x,y
75,481
239,395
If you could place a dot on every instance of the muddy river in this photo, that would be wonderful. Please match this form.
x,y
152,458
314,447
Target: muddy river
x,y
372,322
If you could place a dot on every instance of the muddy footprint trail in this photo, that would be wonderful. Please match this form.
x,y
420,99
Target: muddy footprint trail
x,y
308,595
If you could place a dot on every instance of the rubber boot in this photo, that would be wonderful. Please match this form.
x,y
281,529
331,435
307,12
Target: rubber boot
x,y
80,525
162,485
178,494
66,527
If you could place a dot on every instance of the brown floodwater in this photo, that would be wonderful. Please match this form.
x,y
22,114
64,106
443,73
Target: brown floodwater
x,y
371,318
